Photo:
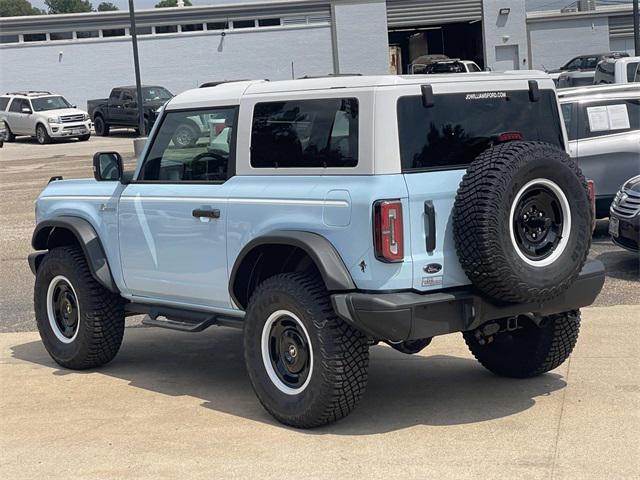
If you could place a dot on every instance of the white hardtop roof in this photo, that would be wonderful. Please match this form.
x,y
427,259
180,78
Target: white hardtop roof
x,y
615,89
230,93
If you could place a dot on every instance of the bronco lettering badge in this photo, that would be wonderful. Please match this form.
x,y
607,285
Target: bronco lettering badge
x,y
432,268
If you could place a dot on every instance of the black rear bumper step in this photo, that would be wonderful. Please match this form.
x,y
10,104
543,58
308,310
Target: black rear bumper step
x,y
181,319
411,315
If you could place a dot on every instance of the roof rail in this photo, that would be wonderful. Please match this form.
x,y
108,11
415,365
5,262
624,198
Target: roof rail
x,y
215,84
29,93
330,75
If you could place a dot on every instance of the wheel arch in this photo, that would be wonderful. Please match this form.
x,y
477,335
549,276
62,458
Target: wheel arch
x,y
286,251
68,230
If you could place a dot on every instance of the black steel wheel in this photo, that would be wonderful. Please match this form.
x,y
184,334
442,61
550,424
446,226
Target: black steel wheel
x,y
100,126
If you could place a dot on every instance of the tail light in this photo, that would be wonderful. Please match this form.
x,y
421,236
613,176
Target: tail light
x,y
387,230
508,137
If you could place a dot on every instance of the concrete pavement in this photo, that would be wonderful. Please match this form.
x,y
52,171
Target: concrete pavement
x,y
175,405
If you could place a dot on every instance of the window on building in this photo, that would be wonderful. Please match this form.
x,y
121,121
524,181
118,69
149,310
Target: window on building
x,y
217,26
35,37
144,30
9,39
193,27
166,29
113,32
305,133
192,146
244,23
4,101
87,34
61,36
455,130
269,22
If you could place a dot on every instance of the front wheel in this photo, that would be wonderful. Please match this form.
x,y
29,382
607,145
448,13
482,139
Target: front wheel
x,y
522,347
42,136
307,367
100,126
81,323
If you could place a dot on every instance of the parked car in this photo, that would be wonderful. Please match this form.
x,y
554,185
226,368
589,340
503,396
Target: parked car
x,y
603,126
618,70
586,62
121,108
624,219
302,221
42,115
454,65
420,63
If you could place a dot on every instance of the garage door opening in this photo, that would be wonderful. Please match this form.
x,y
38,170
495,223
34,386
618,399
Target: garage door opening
x,y
455,40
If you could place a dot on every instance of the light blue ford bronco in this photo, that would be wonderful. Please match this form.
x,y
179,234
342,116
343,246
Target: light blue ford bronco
x,y
325,215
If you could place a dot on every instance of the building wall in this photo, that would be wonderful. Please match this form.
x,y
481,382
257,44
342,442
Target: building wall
x,y
623,44
505,36
362,43
84,70
554,42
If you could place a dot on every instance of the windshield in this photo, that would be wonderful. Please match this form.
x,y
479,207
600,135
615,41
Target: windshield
x,y
49,103
450,67
152,94
459,126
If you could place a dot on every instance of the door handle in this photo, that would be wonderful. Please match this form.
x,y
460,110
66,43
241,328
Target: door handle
x,y
200,213
430,220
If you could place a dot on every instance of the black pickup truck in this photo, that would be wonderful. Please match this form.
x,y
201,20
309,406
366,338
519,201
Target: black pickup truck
x,y
121,108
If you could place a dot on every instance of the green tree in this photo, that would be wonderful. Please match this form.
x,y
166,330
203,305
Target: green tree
x,y
16,8
172,3
68,6
107,7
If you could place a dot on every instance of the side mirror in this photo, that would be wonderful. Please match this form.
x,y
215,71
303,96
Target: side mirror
x,y
107,166
26,110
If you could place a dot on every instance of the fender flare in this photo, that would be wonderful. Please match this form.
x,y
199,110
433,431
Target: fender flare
x,y
88,240
334,273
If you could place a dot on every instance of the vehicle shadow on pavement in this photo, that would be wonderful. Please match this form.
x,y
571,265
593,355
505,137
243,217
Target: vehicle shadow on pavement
x,y
403,390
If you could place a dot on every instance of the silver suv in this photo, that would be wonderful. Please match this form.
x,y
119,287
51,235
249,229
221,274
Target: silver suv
x,y
43,116
603,126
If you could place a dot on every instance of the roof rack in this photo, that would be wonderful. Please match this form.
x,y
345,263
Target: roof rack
x,y
29,93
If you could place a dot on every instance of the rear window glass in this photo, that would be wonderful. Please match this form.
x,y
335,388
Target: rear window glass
x,y
3,103
305,133
461,125
596,119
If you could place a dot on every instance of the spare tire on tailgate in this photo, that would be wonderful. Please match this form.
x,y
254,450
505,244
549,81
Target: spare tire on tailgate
x,y
522,221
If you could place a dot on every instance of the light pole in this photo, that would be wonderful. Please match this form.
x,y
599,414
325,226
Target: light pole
x,y
136,66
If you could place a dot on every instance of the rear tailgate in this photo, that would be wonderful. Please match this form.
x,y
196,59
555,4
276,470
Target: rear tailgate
x,y
437,143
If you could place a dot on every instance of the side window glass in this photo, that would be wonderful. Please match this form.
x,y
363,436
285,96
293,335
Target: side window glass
x,y
17,105
606,118
127,97
305,134
115,95
573,64
192,146
632,68
3,103
589,63
567,115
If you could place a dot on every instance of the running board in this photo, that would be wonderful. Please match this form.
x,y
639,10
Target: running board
x,y
179,319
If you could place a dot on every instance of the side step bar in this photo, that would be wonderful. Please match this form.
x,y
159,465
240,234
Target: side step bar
x,y
179,319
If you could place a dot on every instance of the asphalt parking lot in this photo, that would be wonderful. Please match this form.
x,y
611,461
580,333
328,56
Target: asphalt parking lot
x,y
175,404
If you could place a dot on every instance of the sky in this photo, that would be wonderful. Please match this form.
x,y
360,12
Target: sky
x,y
142,4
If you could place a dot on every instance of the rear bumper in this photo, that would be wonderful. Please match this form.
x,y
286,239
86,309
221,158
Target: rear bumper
x,y
411,315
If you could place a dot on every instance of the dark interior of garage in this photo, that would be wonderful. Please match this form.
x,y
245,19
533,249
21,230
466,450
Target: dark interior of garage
x,y
455,40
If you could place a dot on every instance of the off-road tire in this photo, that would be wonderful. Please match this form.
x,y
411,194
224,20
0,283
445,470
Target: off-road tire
x,y
42,136
100,126
101,317
482,221
340,354
531,350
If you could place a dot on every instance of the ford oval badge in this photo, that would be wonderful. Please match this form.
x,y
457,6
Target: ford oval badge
x,y
432,268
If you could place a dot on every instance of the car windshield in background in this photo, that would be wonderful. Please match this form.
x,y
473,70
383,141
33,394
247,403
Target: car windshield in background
x,y
449,67
49,103
152,94
459,126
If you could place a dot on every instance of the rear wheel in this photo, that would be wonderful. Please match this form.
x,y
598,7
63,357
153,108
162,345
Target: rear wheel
x,y
81,323
306,365
100,126
523,348
42,136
